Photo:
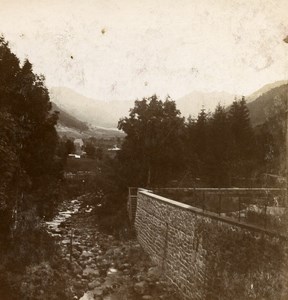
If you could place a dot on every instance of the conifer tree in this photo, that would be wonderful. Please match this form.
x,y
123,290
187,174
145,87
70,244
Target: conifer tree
x,y
242,139
218,145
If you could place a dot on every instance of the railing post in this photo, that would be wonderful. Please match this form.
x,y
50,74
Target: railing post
x,y
265,211
203,201
265,217
130,206
165,247
239,208
219,203
71,244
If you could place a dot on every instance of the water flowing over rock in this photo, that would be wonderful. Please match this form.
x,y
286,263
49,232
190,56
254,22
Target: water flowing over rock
x,y
100,266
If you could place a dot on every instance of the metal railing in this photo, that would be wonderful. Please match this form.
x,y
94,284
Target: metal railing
x,y
264,207
132,203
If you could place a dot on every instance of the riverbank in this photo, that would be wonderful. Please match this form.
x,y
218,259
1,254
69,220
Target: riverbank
x,y
98,265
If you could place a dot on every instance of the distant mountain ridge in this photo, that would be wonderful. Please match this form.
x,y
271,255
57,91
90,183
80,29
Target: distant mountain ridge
x,y
68,120
91,132
266,88
75,107
259,108
72,127
95,112
192,103
107,114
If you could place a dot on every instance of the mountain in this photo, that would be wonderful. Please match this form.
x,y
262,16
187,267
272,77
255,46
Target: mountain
x,y
67,120
266,88
93,131
259,103
192,103
262,106
108,113
71,127
95,112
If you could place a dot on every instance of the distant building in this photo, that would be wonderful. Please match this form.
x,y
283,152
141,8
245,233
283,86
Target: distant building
x,y
115,148
112,151
74,155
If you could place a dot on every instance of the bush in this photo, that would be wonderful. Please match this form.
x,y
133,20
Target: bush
x,y
29,263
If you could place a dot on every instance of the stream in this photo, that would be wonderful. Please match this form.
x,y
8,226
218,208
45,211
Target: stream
x,y
100,266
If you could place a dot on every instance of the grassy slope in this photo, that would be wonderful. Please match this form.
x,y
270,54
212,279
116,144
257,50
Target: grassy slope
x,y
259,109
68,120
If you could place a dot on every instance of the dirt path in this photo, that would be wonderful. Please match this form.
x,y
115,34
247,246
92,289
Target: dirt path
x,y
100,266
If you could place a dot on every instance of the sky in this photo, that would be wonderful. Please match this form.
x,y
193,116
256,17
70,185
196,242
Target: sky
x,y
127,49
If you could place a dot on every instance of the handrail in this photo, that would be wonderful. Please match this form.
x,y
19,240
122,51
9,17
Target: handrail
x,y
218,216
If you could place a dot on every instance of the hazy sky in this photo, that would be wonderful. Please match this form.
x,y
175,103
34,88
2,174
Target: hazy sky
x,y
123,49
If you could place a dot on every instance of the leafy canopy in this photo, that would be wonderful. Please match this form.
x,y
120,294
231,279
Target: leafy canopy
x,y
152,150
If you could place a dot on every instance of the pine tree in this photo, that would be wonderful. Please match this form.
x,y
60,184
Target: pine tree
x,y
218,145
242,147
201,130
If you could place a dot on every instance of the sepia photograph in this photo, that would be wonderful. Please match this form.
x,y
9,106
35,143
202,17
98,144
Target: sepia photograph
x,y
143,150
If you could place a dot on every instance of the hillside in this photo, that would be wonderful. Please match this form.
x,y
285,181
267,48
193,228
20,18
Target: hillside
x,y
95,112
93,131
192,103
71,127
68,120
266,88
259,102
104,116
260,107
108,113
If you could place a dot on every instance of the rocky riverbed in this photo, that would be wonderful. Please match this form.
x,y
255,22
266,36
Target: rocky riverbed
x,y
98,265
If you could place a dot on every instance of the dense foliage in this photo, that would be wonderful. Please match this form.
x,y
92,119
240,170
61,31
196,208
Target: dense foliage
x,y
153,148
212,150
28,137
29,174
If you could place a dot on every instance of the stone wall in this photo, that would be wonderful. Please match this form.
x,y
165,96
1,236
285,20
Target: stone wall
x,y
210,257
